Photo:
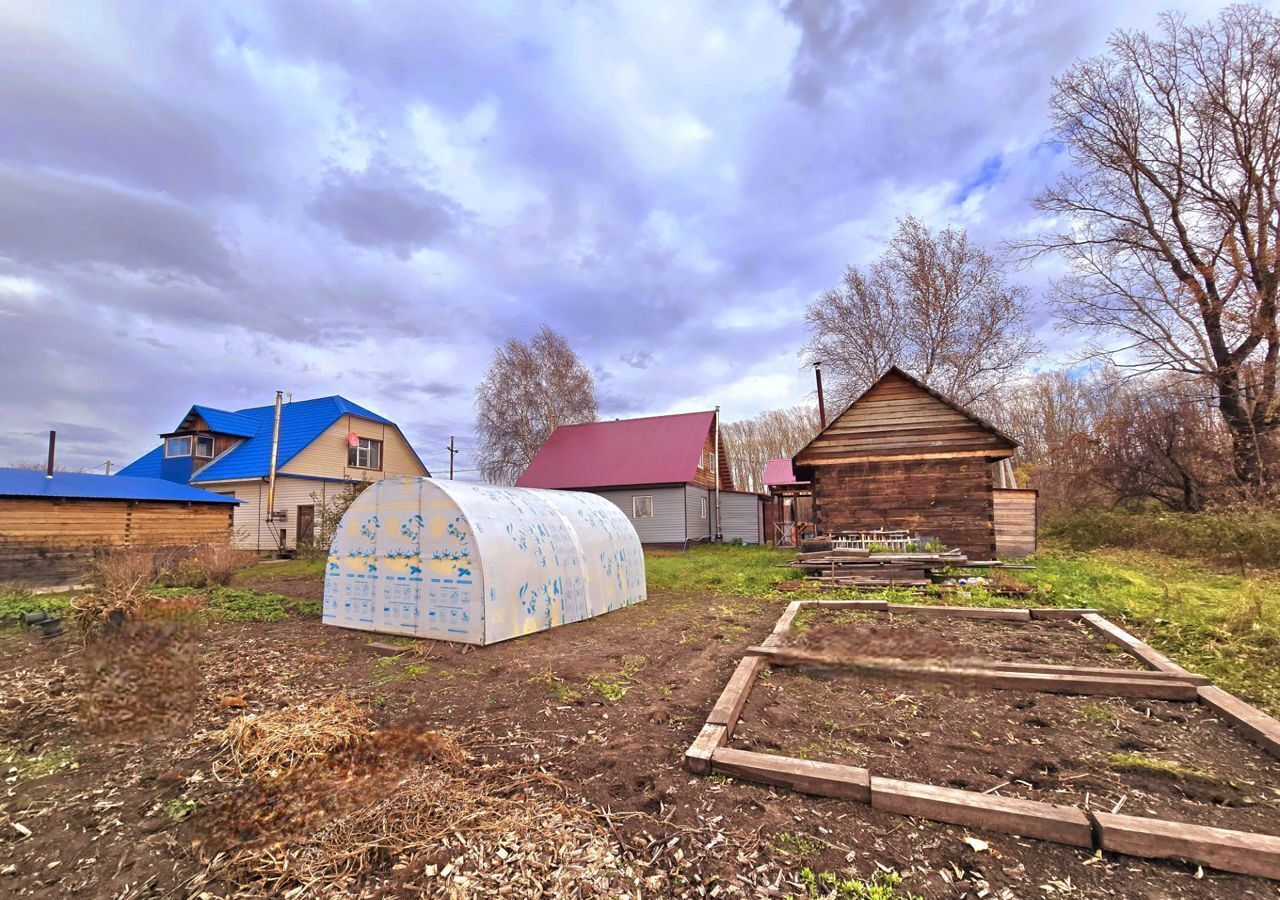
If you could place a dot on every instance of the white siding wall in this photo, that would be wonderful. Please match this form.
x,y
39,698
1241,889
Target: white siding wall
x,y
699,528
251,531
667,525
742,517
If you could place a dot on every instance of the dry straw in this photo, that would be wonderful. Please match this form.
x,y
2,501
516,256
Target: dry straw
x,y
269,743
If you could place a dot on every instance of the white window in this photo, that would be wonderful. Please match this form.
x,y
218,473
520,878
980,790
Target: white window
x,y
707,456
642,507
177,446
204,446
366,454
702,507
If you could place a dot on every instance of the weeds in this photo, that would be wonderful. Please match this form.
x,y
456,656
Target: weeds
x,y
17,601
883,885
179,809
1141,763
36,765
201,565
1095,713
558,688
613,687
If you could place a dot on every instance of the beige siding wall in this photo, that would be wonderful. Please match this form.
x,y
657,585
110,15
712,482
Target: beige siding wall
x,y
326,456
251,529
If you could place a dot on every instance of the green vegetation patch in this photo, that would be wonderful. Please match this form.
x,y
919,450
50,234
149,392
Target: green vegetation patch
x,y
238,604
883,885
16,602
1150,765
274,571
614,686
38,765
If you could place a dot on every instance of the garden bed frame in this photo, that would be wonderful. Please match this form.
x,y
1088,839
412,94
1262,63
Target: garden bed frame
x,y
1244,852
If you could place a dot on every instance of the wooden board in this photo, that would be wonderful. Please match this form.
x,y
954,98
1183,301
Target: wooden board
x,y
697,759
1007,815
964,612
735,693
804,775
1220,848
1134,647
1250,720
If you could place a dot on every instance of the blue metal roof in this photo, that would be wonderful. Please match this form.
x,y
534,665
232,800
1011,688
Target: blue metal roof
x,y
300,424
224,422
82,486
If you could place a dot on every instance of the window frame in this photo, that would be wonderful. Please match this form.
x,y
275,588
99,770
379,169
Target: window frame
x,y
635,509
195,446
367,445
179,437
704,508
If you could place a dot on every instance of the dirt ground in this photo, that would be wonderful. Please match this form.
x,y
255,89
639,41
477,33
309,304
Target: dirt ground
x,y
608,706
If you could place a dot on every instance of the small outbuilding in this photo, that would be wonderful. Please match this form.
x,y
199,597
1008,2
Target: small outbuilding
x,y
478,563
903,456
52,526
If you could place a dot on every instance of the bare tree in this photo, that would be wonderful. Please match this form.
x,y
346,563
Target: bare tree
x,y
774,433
530,388
1171,217
936,305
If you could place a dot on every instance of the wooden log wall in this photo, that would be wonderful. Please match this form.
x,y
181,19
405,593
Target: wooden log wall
x,y
49,543
947,499
1016,519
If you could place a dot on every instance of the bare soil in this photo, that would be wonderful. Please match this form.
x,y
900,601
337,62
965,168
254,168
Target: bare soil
x,y
608,706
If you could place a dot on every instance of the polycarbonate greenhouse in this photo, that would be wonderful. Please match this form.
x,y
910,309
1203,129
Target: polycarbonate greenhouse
x,y
477,563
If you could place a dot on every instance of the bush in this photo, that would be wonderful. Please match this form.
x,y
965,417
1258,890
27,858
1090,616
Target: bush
x,y
201,565
1243,535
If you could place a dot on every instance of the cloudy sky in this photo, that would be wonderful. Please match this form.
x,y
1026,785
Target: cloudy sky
x,y
202,203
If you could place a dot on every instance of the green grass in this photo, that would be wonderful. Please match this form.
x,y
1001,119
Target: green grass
x,y
38,765
883,885
1222,625
1140,762
237,604
292,568
1205,616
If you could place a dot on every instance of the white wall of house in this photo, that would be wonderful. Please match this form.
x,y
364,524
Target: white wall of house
x,y
251,531
666,525
742,517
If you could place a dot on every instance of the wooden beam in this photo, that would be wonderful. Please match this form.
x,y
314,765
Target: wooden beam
x,y
1148,655
1007,815
1252,721
735,693
968,612
697,759
1109,685
803,775
1052,613
1220,848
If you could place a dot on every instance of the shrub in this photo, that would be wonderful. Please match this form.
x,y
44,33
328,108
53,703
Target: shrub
x,y
201,565
1244,535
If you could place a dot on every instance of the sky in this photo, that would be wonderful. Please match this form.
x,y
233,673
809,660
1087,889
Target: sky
x,y
206,203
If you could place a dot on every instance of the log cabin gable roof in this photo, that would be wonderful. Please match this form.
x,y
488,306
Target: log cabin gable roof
x,y
900,417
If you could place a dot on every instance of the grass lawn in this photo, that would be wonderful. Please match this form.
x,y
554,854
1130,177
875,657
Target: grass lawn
x,y
1223,625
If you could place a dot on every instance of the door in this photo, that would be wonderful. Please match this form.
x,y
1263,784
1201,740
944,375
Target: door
x,y
306,533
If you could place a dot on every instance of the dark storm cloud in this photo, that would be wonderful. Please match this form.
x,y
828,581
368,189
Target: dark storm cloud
x,y
56,220
383,207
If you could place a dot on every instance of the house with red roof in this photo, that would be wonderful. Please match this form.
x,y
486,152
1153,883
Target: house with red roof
x,y
669,474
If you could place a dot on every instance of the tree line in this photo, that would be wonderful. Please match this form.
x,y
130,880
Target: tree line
x,y
1167,219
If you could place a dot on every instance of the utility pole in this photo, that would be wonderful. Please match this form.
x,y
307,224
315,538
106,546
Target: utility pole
x,y
108,467
452,453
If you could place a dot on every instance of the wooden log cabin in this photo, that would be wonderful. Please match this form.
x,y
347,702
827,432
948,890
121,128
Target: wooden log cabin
x,y
902,456
52,527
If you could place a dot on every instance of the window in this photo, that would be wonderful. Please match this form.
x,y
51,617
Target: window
x,y
177,446
706,459
642,507
366,454
702,507
204,446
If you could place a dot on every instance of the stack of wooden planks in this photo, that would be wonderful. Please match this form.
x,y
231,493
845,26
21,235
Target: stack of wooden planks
x,y
861,568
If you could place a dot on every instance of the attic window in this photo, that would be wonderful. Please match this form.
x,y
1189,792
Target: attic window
x,y
204,446
177,446
706,459
365,453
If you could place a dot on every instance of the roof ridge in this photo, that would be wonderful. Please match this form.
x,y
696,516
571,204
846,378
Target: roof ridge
x,y
697,412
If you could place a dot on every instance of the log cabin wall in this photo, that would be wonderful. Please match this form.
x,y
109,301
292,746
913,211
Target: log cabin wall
x,y
902,456
52,543
1017,518
946,499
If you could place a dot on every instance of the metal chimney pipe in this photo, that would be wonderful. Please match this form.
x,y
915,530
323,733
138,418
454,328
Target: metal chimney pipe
x,y
822,406
53,441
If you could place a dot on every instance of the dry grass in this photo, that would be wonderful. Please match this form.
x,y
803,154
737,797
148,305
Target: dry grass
x,y
201,565
121,579
413,814
274,741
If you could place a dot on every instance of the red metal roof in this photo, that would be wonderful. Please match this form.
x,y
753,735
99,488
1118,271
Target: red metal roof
x,y
653,450
779,471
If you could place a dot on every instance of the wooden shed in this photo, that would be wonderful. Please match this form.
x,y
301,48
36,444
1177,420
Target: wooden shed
x,y
902,456
52,526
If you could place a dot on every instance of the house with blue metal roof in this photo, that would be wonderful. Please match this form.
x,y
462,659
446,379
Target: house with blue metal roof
x,y
326,447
